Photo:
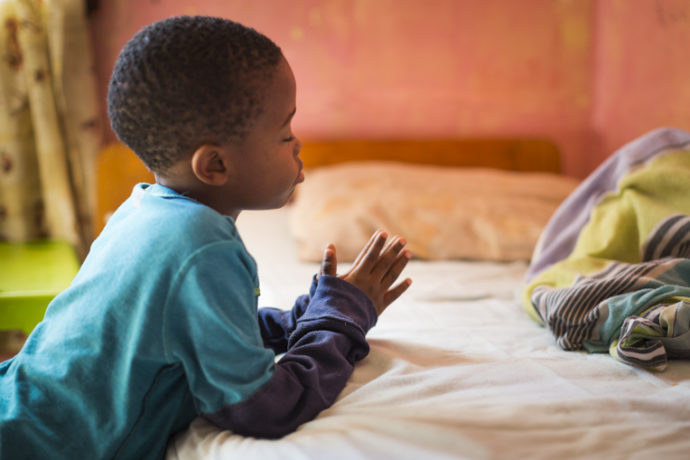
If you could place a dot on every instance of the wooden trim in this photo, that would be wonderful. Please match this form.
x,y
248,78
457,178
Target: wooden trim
x,y
118,170
511,154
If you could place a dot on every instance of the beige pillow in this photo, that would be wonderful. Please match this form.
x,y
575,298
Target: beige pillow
x,y
444,213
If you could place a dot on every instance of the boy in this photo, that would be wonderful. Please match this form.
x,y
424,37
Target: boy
x,y
160,325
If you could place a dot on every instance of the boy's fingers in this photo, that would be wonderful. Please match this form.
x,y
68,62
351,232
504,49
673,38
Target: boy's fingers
x,y
390,256
366,247
373,251
329,265
396,268
395,292
392,247
389,243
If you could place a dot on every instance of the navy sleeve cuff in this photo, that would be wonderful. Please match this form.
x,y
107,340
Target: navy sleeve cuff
x,y
335,299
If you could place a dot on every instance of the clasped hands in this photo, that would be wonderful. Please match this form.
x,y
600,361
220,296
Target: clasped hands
x,y
376,268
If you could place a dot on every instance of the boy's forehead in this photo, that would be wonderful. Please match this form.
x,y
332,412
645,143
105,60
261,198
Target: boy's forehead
x,y
279,94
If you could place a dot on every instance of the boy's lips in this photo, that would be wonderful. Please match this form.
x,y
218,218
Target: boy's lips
x,y
300,177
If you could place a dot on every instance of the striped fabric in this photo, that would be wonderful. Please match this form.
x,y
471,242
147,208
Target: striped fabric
x,y
622,282
659,334
671,237
630,301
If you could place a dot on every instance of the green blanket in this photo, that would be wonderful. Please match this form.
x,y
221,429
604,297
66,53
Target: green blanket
x,y
611,271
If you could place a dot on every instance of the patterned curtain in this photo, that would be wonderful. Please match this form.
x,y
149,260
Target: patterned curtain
x,y
50,127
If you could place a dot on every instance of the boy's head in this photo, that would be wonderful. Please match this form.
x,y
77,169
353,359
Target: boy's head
x,y
188,81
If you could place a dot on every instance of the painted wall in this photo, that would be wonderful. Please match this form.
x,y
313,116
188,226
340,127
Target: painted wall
x,y
447,68
641,70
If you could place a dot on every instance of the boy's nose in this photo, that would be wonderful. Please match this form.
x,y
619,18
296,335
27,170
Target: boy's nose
x,y
298,147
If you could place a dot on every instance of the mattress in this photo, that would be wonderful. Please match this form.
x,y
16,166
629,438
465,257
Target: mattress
x,y
458,370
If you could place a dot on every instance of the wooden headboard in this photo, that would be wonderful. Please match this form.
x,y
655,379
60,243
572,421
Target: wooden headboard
x,y
510,154
118,169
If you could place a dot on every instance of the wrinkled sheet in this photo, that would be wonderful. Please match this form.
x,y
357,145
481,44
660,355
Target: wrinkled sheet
x,y
458,371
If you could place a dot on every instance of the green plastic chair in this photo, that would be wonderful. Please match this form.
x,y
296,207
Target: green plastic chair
x,y
31,274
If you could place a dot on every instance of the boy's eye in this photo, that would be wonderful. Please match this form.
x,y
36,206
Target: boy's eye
x,y
289,139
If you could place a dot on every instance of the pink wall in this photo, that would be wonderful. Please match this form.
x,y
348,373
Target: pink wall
x,y
447,68
642,69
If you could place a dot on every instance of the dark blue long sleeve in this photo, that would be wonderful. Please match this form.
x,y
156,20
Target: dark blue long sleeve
x,y
322,348
276,325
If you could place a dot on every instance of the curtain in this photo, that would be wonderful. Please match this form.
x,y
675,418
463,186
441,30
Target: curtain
x,y
50,123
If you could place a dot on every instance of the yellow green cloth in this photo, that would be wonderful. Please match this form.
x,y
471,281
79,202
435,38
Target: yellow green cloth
x,y
627,258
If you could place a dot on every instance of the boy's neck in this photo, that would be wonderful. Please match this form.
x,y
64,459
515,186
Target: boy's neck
x,y
198,191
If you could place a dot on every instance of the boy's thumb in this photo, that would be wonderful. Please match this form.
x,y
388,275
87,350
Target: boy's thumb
x,y
329,265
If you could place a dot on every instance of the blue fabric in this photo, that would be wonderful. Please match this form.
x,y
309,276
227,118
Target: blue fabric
x,y
161,325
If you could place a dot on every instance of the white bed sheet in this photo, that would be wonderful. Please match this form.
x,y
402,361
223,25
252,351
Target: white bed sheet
x,y
457,370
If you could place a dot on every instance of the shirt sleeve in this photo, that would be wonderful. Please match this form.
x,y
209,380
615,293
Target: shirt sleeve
x,y
329,337
276,325
211,329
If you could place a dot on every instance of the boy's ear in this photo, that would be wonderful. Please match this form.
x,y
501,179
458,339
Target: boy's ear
x,y
211,164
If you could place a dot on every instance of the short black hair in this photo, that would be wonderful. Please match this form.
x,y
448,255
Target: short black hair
x,y
186,81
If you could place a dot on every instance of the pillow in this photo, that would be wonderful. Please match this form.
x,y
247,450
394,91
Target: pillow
x,y
443,212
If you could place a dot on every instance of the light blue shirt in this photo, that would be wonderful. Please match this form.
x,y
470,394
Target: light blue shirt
x,y
161,325
143,327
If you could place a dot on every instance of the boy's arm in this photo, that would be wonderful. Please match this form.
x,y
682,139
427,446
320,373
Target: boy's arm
x,y
276,325
211,334
327,341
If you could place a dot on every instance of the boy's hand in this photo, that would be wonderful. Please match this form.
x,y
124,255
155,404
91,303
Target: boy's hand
x,y
375,269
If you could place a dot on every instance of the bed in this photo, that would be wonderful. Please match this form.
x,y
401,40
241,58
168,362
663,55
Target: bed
x,y
457,368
